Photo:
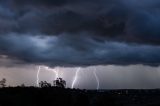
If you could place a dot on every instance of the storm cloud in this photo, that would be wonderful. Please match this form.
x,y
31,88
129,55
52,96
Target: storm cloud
x,y
67,50
81,32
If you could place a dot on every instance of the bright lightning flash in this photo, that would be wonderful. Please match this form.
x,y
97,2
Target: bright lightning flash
x,y
97,79
75,78
56,73
39,68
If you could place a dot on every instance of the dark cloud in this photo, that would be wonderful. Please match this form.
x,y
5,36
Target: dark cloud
x,y
67,50
81,32
126,20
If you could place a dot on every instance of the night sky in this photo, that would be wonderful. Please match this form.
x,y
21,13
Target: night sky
x,y
119,40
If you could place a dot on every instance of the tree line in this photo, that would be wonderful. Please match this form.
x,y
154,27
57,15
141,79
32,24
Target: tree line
x,y
59,82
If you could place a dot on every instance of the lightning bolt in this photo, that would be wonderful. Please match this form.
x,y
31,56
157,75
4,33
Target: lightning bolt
x,y
56,73
75,78
97,79
39,68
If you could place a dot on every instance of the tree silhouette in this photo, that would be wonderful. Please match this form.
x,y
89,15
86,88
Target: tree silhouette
x,y
3,83
22,85
59,82
43,84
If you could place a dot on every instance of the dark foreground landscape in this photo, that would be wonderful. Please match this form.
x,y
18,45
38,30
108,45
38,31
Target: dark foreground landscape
x,y
31,96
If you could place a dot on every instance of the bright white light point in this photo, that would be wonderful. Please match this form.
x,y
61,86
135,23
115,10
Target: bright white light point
x,y
97,79
75,78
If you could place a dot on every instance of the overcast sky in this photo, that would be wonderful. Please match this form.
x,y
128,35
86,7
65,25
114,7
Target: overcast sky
x,y
110,76
120,38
